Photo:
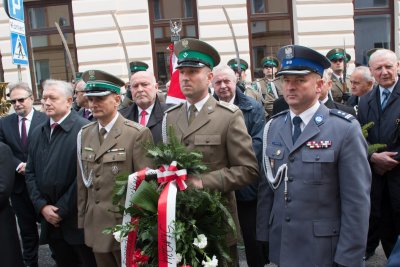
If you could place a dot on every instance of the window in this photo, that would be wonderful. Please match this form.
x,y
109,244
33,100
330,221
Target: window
x,y
378,16
48,58
270,27
161,12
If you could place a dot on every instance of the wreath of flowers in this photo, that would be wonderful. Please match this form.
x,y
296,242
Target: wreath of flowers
x,y
202,220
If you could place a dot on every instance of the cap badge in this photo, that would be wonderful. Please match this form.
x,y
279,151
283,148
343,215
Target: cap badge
x,y
185,44
185,54
92,76
289,52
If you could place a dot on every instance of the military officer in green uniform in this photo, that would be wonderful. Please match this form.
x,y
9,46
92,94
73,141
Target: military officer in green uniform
x,y
106,148
340,81
243,85
216,129
269,87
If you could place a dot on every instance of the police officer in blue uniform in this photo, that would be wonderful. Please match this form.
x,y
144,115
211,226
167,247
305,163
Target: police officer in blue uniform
x,y
314,201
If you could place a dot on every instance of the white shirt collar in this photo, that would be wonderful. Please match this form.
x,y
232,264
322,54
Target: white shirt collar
x,y
199,105
148,110
306,115
109,126
61,120
27,117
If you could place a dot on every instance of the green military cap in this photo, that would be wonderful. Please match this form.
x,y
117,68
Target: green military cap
x,y
233,64
337,53
196,54
270,61
136,66
78,76
100,83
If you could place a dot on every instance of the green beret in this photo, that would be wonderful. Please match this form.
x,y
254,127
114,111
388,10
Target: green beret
x,y
233,64
337,53
270,61
100,83
136,66
196,54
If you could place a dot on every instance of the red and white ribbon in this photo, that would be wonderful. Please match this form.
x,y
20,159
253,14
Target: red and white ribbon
x,y
166,212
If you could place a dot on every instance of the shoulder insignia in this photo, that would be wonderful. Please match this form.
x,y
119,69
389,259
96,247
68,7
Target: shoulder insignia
x,y
341,114
174,107
134,125
228,106
280,113
89,124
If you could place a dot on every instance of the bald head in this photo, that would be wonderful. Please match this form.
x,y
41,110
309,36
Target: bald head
x,y
143,88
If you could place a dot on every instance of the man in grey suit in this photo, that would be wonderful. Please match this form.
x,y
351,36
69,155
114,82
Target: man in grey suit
x,y
147,108
314,200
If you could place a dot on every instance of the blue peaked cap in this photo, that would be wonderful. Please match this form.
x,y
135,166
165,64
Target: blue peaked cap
x,y
301,60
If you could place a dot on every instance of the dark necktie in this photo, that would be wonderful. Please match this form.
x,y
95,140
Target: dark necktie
x,y
385,98
192,113
86,113
143,117
102,133
53,126
24,136
297,130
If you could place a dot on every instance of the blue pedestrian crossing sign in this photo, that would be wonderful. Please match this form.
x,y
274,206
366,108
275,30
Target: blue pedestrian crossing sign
x,y
18,49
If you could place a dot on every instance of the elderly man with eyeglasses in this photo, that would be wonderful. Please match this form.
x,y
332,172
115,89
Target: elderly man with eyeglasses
x,y
15,131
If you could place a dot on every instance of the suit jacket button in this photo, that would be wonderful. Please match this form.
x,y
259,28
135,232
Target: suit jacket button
x,y
291,158
290,179
287,219
97,201
97,189
289,199
334,231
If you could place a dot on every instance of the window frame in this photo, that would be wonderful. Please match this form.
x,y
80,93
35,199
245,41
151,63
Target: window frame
x,y
165,23
46,31
267,17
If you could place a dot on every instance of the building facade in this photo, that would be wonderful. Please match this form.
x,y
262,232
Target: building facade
x,y
260,27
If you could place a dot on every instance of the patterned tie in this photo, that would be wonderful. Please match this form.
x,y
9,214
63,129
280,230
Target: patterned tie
x,y
24,136
192,113
297,130
102,133
86,113
143,117
385,98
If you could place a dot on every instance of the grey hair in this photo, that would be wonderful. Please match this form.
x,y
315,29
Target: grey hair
x,y
20,85
383,53
64,87
225,69
365,72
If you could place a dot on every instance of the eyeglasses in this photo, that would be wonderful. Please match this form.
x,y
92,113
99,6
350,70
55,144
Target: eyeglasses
x,y
20,100
337,60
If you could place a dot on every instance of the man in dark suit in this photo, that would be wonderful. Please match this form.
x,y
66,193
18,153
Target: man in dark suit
x,y
382,106
51,176
82,101
314,199
361,81
281,105
10,251
15,131
146,109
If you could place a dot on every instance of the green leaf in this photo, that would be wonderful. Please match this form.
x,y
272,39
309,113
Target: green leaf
x,y
146,197
119,190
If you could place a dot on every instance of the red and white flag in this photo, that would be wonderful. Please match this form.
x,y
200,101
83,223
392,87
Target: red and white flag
x,y
174,94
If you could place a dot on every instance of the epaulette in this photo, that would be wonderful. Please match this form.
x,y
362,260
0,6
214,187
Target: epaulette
x,y
280,114
341,114
89,124
228,106
174,107
135,125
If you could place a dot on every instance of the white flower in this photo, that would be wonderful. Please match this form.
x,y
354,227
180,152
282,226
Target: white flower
x,y
178,257
210,263
200,241
118,236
